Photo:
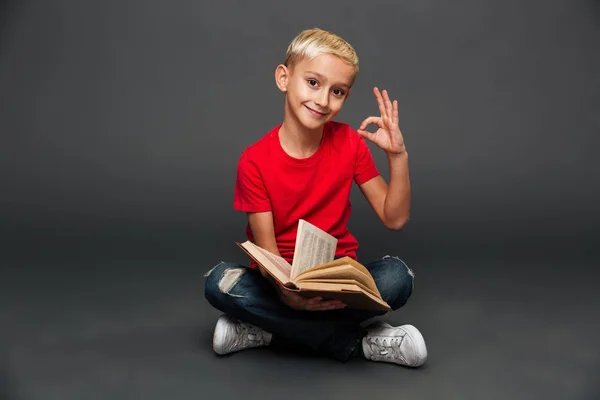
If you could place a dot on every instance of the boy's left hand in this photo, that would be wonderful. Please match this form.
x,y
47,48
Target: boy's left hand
x,y
388,137
300,303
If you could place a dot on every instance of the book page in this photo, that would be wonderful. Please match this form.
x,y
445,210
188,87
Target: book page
x,y
340,272
275,265
343,282
313,247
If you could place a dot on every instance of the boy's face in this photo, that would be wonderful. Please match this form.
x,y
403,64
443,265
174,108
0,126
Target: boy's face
x,y
317,89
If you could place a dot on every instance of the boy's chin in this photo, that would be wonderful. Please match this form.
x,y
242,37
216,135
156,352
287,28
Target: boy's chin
x,y
312,124
309,122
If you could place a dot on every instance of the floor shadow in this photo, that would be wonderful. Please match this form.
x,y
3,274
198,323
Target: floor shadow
x,y
203,340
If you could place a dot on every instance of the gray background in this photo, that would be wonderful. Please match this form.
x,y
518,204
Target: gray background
x,y
121,123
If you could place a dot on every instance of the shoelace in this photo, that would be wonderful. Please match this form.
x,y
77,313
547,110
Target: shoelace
x,y
386,348
247,335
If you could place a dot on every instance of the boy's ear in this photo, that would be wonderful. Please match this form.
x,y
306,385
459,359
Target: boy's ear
x,y
282,74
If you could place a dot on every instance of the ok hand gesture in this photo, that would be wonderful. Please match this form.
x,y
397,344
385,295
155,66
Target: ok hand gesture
x,y
388,137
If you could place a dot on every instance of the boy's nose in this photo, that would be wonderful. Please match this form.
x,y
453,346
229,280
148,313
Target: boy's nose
x,y
322,99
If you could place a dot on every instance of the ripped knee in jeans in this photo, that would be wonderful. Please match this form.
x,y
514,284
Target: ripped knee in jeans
x,y
224,277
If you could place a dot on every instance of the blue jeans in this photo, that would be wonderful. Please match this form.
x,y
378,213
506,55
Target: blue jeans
x,y
245,294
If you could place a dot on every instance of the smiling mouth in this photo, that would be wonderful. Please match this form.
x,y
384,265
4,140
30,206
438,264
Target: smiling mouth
x,y
317,113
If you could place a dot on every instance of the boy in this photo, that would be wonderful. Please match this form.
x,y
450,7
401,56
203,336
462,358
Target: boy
x,y
304,169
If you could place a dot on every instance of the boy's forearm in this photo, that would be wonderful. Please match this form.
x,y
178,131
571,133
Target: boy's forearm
x,y
272,248
397,200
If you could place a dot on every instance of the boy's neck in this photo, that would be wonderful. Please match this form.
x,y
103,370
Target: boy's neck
x,y
297,141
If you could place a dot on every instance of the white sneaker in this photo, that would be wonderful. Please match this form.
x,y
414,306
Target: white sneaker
x,y
233,335
403,345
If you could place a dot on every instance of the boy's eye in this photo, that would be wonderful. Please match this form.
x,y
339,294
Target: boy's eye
x,y
338,92
312,82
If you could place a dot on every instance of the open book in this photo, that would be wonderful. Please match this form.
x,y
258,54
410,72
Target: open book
x,y
315,271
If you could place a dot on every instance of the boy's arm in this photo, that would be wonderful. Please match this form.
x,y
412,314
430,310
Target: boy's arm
x,y
251,195
390,202
263,232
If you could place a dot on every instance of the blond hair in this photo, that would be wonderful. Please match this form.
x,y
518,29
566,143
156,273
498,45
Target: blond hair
x,y
313,42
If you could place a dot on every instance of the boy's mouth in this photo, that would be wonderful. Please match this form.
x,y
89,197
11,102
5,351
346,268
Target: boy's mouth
x,y
314,112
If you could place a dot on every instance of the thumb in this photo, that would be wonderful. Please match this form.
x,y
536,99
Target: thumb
x,y
370,121
366,134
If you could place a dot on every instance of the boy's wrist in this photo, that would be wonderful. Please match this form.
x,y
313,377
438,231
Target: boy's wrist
x,y
397,155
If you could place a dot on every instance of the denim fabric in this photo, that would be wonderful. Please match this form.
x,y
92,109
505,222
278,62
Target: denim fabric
x,y
243,293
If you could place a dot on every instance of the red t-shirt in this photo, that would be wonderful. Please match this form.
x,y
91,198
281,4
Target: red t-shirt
x,y
316,189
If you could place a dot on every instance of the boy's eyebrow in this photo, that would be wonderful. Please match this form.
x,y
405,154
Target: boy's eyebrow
x,y
320,76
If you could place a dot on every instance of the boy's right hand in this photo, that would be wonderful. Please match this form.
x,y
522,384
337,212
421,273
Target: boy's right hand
x,y
297,302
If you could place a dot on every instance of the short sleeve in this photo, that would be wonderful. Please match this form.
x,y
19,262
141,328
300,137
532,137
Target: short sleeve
x,y
365,168
250,194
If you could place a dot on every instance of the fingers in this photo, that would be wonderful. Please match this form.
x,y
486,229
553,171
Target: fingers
x,y
387,108
380,102
362,130
371,120
388,105
298,302
318,304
